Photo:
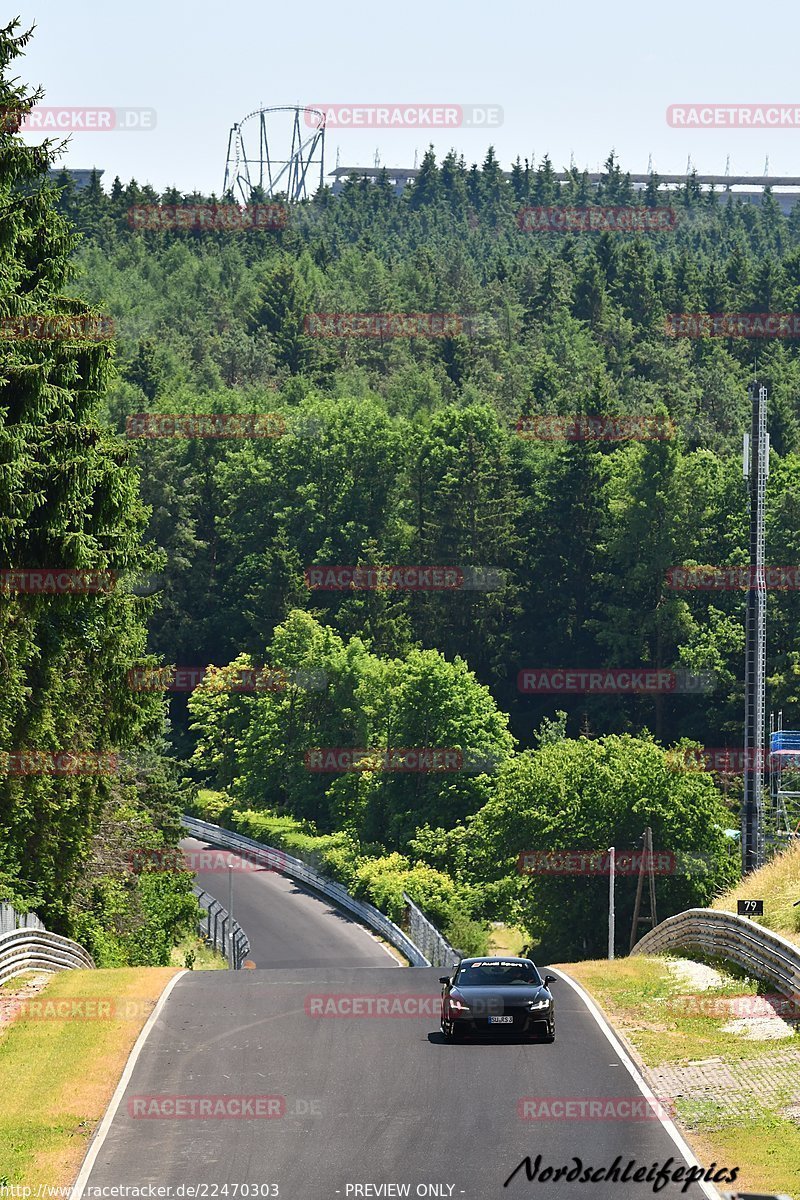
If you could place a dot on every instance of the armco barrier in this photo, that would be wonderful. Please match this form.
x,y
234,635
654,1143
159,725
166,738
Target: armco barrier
x,y
295,868
724,935
37,950
754,1196
225,935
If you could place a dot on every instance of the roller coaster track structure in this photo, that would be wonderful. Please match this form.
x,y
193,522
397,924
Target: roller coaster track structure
x,y
293,177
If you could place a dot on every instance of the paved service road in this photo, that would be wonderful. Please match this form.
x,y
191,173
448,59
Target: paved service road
x,y
366,1100
287,925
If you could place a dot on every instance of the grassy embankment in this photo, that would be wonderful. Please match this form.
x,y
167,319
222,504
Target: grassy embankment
x,y
753,1122
58,1073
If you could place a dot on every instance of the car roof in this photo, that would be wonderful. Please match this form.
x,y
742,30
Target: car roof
x,y
503,958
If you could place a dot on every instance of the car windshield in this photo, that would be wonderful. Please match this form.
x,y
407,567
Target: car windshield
x,y
498,974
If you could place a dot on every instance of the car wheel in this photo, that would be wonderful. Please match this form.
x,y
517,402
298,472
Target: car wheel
x,y
550,1030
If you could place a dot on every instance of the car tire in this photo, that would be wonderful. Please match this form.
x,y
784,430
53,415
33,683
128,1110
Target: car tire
x,y
550,1031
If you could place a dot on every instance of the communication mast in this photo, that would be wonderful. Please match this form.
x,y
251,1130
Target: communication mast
x,y
756,469
294,176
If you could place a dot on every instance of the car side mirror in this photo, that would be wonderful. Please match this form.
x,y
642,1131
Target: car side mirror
x,y
548,979
444,979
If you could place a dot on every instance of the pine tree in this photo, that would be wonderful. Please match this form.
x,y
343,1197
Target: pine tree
x,y
68,501
427,188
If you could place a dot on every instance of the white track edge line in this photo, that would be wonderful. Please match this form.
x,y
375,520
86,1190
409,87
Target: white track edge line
x,y
630,1066
102,1130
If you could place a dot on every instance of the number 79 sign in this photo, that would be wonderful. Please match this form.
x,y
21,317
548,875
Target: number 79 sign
x,y
750,908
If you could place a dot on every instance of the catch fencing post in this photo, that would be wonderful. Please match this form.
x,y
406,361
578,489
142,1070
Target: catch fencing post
x,y
612,866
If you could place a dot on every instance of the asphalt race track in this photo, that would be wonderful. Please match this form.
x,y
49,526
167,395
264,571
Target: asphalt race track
x,y
361,1100
287,925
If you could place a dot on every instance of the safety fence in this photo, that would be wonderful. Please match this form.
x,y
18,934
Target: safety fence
x,y
224,934
423,933
10,919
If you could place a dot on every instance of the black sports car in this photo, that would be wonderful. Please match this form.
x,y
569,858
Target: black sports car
x,y
497,995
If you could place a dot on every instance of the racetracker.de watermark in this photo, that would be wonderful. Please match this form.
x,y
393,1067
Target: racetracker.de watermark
x,y
57,327
593,1108
743,577
730,760
175,1107
205,425
58,762
405,116
213,861
224,679
340,578
732,325
60,581
769,1006
208,218
395,324
362,1004
619,681
596,218
48,119
397,759
597,862
79,1008
595,427
734,116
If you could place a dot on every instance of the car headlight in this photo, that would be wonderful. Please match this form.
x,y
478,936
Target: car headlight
x,y
458,1005
536,1004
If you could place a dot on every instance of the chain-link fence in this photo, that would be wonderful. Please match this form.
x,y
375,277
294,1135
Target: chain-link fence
x,y
423,933
10,920
224,934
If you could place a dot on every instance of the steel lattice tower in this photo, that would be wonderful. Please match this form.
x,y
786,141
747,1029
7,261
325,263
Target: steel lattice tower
x,y
756,469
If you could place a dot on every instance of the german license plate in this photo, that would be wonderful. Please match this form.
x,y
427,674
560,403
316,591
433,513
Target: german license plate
x,y
501,1020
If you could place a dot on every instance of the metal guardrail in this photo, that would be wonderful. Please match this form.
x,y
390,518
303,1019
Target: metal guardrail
x,y
24,950
754,1196
224,934
718,934
424,934
295,868
10,919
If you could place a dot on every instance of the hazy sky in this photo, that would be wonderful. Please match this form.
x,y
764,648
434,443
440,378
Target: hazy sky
x,y
574,78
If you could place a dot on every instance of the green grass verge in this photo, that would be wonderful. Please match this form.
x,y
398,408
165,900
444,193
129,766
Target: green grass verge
x,y
19,981
635,995
778,885
196,955
506,939
642,992
57,1074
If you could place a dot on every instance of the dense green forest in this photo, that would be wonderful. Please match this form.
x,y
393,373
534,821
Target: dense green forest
x,y
397,450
